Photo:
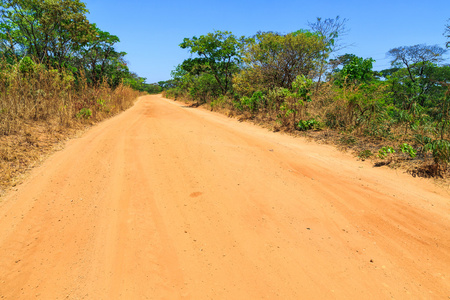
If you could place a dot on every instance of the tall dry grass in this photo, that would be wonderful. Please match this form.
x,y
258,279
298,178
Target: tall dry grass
x,y
40,106
37,93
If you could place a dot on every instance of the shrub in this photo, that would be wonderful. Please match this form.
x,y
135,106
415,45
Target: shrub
x,y
408,149
85,113
304,125
385,151
253,103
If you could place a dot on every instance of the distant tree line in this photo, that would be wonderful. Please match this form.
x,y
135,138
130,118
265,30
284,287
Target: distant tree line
x,y
295,80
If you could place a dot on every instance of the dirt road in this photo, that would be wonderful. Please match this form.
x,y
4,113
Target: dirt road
x,y
170,202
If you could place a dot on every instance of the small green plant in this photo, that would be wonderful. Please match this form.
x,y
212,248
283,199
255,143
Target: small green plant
x,y
408,149
304,125
302,87
440,149
385,152
85,113
26,65
101,102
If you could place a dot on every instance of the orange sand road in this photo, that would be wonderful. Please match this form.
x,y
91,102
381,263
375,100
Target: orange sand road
x,y
169,202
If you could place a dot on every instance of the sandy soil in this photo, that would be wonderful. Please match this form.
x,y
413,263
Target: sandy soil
x,y
170,202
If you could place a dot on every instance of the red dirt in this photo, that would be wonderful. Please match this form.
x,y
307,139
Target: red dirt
x,y
168,202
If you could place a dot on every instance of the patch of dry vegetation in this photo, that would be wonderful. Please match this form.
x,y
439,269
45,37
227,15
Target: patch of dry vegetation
x,y
41,107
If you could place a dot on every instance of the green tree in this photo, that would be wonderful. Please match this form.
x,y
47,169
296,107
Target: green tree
x,y
274,60
167,84
442,115
415,58
417,88
355,70
50,31
219,54
412,83
99,58
193,79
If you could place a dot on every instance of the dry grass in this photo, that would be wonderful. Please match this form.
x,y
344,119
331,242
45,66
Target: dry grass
x,y
41,108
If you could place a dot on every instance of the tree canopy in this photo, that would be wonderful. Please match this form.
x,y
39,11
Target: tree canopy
x,y
218,54
57,34
275,60
48,31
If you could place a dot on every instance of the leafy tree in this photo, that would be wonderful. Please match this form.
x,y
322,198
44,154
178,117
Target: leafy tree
x,y
49,31
193,79
195,66
415,58
418,85
443,116
219,54
204,87
182,80
387,73
275,60
99,57
296,98
411,83
153,88
355,69
341,60
167,84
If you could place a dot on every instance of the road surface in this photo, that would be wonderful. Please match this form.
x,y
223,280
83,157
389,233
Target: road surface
x,y
169,202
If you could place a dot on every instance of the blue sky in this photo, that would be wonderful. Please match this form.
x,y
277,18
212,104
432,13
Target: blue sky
x,y
150,31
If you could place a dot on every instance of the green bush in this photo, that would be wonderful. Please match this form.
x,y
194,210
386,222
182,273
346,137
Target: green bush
x,y
254,102
84,113
440,150
385,151
26,65
408,149
304,125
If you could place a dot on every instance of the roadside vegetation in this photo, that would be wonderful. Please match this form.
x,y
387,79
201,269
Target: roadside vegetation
x,y
295,82
58,73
